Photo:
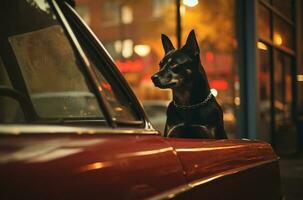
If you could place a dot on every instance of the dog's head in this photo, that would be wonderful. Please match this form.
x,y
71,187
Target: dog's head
x,y
178,65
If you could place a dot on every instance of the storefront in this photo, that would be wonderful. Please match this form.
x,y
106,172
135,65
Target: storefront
x,y
249,49
270,38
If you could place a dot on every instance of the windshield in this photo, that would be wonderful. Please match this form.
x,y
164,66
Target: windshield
x,y
36,52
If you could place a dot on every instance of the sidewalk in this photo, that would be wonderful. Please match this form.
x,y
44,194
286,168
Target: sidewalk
x,y
291,168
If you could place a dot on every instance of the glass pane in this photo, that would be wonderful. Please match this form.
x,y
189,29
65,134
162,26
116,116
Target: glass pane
x,y
118,103
214,25
47,61
288,87
120,107
283,33
131,32
282,87
263,22
285,7
264,90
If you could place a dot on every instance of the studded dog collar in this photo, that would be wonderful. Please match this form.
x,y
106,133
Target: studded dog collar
x,y
197,105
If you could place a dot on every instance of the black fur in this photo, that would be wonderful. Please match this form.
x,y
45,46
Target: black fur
x,y
181,71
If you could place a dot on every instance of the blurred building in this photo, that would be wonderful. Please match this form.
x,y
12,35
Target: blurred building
x,y
249,49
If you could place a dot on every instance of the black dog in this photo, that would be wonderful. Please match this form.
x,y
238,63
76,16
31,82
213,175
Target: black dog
x,y
194,111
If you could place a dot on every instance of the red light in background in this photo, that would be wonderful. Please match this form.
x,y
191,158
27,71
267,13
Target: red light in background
x,y
219,84
130,65
106,86
209,56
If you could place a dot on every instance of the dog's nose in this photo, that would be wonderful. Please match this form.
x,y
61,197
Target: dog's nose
x,y
155,78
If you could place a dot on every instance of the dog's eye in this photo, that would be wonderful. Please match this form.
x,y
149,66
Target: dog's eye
x,y
176,68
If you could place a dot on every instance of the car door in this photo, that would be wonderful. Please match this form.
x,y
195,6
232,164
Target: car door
x,y
83,134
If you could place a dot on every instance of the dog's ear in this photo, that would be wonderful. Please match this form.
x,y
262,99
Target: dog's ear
x,y
191,44
167,44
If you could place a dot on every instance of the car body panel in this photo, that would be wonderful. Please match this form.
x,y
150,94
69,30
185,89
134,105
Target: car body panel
x,y
86,166
256,183
228,169
204,158
88,162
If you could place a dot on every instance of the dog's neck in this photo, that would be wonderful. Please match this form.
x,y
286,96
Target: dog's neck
x,y
194,91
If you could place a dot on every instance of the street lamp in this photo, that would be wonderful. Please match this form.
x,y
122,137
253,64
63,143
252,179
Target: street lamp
x,y
190,3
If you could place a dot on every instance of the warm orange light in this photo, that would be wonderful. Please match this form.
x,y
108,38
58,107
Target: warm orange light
x,y
127,48
300,77
262,46
237,101
142,49
278,39
182,10
94,166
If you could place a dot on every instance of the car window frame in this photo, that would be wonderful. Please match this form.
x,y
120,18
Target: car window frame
x,y
100,53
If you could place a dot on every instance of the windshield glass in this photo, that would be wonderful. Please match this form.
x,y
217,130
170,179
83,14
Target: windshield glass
x,y
34,45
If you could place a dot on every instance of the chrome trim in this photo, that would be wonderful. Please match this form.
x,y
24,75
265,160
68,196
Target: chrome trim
x,y
184,188
42,129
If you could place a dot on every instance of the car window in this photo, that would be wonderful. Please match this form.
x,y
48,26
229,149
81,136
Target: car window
x,y
46,60
119,104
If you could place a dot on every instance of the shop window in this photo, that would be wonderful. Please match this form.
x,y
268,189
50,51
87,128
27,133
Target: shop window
x,y
263,22
285,7
264,69
282,87
283,33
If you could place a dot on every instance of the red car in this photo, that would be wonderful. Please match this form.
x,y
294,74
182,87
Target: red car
x,y
71,128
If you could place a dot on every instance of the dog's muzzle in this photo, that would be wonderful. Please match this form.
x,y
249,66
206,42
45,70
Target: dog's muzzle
x,y
156,80
164,82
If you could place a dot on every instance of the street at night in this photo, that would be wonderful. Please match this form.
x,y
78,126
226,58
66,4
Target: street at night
x,y
151,99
